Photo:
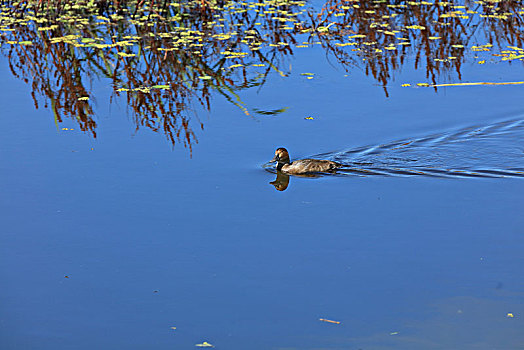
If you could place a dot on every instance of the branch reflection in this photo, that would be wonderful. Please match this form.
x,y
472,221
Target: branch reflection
x,y
167,60
382,36
161,59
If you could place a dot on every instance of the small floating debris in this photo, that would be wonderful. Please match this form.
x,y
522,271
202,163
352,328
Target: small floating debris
x,y
308,75
173,328
479,83
510,315
205,345
309,118
393,333
328,321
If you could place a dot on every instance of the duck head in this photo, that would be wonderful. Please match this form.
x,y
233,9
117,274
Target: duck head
x,y
281,156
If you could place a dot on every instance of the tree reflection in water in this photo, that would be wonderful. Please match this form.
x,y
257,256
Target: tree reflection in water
x,y
384,35
164,58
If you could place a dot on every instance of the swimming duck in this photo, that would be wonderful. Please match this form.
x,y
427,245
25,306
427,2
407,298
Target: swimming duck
x,y
302,166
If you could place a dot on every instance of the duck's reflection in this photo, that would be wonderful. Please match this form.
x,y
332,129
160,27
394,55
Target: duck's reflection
x,y
281,182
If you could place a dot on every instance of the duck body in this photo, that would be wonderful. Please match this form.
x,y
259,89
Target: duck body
x,y
302,166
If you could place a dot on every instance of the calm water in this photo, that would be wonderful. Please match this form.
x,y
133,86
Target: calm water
x,y
107,243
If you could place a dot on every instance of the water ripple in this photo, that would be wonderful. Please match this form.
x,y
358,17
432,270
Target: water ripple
x,y
489,151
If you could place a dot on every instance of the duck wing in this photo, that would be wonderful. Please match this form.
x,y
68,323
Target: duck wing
x,y
302,166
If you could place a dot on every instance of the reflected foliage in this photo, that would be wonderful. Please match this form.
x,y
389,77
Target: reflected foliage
x,y
161,59
168,59
438,37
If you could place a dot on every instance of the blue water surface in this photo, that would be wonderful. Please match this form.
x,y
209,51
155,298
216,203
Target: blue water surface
x,y
107,243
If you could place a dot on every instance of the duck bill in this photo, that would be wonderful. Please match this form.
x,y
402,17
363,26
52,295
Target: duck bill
x,y
273,160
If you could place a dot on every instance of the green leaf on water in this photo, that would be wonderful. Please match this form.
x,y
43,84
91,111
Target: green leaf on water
x,y
205,345
123,54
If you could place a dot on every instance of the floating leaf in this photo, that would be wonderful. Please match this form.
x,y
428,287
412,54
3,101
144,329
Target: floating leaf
x,y
165,87
416,27
328,321
205,345
124,54
344,44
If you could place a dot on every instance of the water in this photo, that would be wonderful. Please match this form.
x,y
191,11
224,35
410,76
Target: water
x,y
494,150
108,242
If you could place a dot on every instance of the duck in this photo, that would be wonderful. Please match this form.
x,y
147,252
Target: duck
x,y
302,166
